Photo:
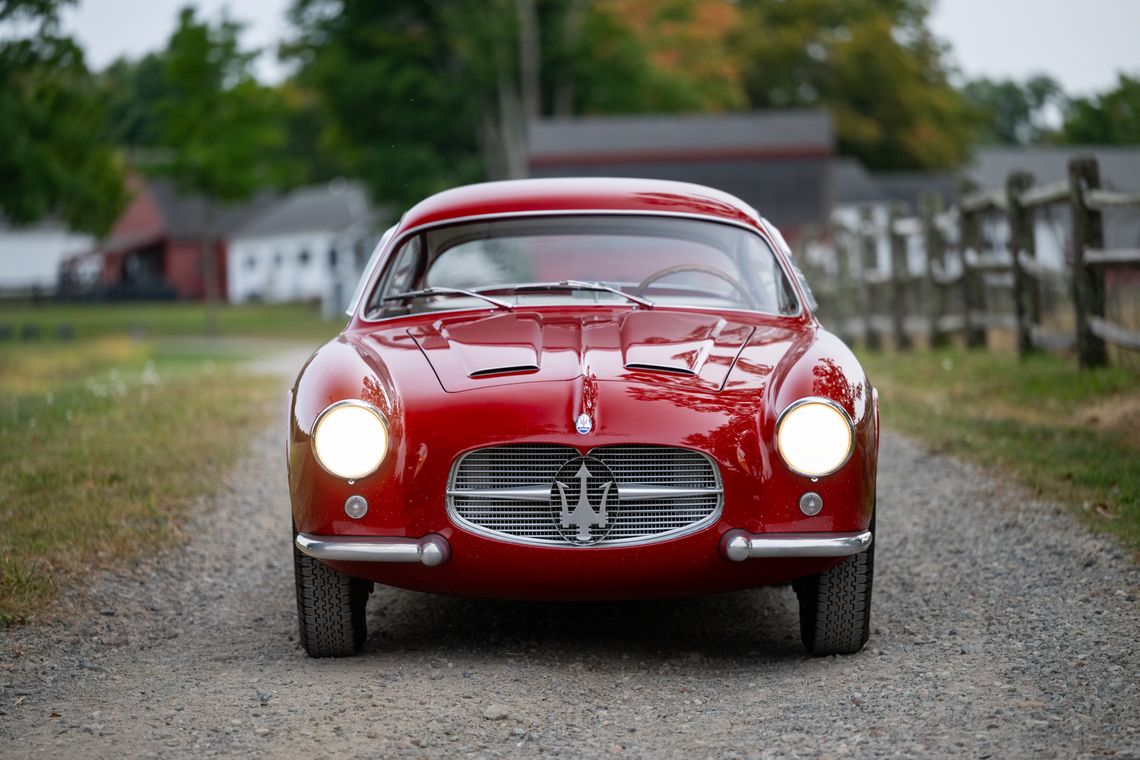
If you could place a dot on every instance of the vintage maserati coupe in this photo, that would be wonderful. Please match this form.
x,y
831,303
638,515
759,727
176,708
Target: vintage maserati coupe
x,y
577,389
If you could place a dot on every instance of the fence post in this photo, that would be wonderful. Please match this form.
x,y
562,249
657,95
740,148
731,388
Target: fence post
x,y
844,309
900,276
934,246
1025,303
973,283
869,259
1088,283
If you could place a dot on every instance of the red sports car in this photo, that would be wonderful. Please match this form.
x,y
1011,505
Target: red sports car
x,y
583,389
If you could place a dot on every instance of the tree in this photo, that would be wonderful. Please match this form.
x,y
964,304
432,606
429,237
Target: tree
x,y
219,129
56,158
1014,113
873,63
424,94
131,90
1111,118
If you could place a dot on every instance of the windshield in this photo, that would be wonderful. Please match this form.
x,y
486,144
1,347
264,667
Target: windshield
x,y
642,261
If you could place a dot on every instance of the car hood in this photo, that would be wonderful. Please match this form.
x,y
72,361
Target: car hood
x,y
694,349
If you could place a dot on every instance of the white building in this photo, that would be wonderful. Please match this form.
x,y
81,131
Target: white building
x,y
311,245
30,256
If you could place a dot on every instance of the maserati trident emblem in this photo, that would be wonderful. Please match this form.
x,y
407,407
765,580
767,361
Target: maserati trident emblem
x,y
584,498
583,424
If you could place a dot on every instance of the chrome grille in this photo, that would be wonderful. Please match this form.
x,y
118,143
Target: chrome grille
x,y
505,491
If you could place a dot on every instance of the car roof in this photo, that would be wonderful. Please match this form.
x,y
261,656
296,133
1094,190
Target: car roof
x,y
607,194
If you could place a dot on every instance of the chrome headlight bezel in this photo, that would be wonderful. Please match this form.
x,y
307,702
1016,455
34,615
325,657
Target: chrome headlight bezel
x,y
331,409
842,414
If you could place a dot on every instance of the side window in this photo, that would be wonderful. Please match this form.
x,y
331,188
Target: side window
x,y
366,272
787,251
402,274
404,268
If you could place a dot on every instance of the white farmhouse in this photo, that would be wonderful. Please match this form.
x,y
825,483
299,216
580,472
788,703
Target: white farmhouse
x,y
311,245
30,256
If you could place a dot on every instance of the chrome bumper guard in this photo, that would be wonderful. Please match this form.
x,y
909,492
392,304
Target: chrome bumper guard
x,y
739,545
431,550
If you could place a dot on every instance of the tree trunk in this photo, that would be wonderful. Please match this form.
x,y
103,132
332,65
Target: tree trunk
x,y
572,23
530,60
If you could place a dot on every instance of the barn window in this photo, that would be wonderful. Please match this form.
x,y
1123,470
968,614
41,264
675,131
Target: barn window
x,y
303,258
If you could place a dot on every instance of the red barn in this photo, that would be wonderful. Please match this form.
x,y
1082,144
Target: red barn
x,y
154,250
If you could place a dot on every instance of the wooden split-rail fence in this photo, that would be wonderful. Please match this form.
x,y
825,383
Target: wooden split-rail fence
x,y
863,299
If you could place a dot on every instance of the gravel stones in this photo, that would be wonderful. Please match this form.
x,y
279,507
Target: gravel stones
x,y
991,636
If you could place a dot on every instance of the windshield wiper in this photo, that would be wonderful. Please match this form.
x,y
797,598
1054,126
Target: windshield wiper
x,y
571,285
448,292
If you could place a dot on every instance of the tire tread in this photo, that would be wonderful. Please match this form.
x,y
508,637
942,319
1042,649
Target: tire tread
x,y
330,608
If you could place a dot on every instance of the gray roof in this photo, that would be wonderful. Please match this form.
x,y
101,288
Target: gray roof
x,y
776,161
330,207
1119,166
853,183
551,139
184,215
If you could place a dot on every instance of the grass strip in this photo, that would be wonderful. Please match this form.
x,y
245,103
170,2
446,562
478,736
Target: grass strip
x,y
1068,436
103,445
47,321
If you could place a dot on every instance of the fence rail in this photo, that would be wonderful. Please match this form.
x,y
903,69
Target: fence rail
x,y
897,301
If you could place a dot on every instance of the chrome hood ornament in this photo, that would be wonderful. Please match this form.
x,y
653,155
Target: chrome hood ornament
x,y
576,482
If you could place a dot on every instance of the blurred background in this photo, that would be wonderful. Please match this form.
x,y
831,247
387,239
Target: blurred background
x,y
960,176
251,153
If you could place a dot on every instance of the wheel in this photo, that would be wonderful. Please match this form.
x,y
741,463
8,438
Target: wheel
x,y
835,606
330,608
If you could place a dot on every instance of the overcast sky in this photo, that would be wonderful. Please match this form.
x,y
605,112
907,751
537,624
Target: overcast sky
x,y
1080,43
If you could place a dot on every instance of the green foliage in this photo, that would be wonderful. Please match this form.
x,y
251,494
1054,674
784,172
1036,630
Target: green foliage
x,y
1111,118
217,126
401,114
872,63
425,94
131,89
1014,113
55,159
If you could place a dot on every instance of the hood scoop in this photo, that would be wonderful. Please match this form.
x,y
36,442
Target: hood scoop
x,y
642,346
679,343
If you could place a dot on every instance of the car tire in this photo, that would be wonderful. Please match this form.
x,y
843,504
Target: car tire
x,y
330,608
835,606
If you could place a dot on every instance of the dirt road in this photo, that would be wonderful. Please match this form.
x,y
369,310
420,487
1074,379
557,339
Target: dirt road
x,y
1000,629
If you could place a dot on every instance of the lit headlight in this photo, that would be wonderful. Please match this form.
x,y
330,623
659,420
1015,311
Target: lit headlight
x,y
350,439
814,436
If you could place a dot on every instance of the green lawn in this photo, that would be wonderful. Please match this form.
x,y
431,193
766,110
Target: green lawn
x,y
1066,435
106,439
164,319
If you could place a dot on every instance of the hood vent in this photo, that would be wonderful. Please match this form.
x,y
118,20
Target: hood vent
x,y
661,368
488,371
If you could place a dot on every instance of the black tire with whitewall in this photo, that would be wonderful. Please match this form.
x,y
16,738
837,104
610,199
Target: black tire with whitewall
x,y
835,606
330,608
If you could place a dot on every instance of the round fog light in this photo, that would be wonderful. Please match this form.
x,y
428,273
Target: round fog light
x,y
811,503
356,507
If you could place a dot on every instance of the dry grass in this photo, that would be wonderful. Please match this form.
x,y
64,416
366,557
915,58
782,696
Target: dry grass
x,y
103,444
1067,435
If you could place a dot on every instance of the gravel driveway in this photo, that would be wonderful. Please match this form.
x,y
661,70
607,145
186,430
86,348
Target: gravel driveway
x,y
999,629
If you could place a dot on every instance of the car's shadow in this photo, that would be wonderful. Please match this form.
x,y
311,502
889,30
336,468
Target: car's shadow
x,y
762,622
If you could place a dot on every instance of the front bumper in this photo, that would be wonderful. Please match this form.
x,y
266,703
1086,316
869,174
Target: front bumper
x,y
431,550
739,545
